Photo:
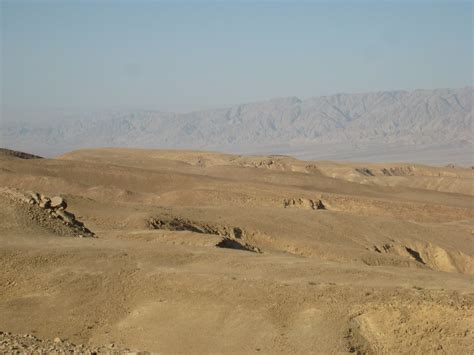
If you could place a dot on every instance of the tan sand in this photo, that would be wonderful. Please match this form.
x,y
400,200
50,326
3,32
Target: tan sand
x,y
201,253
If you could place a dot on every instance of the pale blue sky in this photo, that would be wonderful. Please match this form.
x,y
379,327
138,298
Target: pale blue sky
x,y
192,55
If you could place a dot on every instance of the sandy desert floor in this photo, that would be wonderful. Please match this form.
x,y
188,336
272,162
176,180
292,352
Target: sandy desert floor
x,y
207,253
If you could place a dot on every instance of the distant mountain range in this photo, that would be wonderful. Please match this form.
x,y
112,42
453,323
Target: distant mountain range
x,y
431,126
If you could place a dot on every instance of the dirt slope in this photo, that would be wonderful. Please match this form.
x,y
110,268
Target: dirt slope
x,y
211,253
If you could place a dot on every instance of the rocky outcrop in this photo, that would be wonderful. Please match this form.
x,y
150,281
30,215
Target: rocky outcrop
x,y
304,203
365,171
430,255
399,171
54,207
17,154
232,237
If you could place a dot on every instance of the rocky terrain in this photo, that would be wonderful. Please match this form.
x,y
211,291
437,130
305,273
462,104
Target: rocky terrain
x,y
197,252
30,344
430,126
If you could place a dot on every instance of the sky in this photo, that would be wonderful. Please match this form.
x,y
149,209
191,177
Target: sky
x,y
182,56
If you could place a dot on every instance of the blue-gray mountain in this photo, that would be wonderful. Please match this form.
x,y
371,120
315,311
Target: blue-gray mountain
x,y
431,126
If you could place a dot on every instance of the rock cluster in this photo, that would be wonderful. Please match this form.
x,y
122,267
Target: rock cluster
x,y
48,212
304,203
56,207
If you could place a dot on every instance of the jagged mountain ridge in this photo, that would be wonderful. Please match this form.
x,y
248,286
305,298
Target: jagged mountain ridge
x,y
440,118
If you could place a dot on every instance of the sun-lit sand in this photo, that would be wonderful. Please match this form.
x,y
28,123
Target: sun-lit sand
x,y
200,252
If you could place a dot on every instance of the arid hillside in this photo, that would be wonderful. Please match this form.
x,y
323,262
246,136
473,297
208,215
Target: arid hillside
x,y
181,252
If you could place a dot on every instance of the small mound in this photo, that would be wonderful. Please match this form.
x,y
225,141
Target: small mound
x,y
17,154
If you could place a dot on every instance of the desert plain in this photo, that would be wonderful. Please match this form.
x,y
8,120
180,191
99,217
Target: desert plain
x,y
187,252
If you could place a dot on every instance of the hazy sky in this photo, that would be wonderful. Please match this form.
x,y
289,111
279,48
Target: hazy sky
x,y
192,55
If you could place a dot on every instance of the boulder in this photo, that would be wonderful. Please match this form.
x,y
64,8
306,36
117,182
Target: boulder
x,y
58,202
35,197
45,202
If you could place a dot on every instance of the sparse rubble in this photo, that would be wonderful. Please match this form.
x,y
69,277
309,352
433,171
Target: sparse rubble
x,y
399,171
55,207
30,344
304,203
392,171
